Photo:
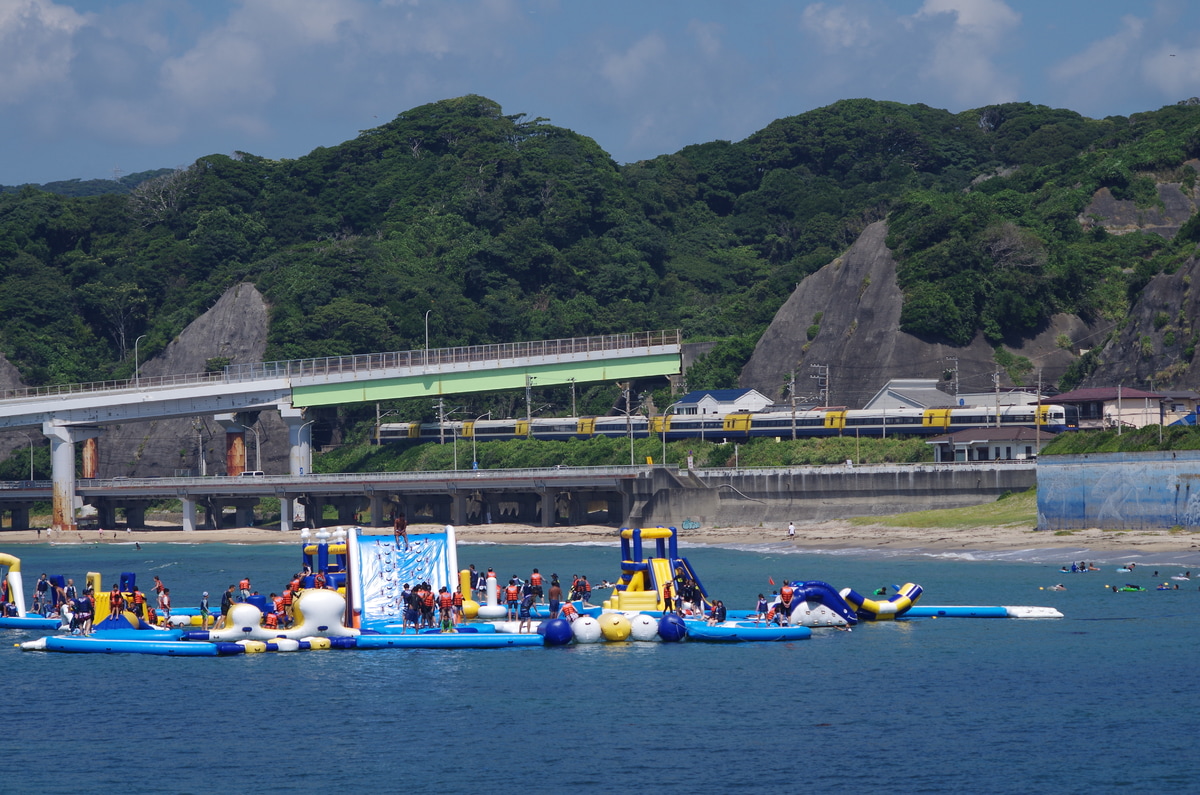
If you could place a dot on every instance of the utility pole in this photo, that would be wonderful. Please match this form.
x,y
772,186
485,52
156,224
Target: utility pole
x,y
441,405
1118,409
996,381
572,381
792,389
954,370
822,376
528,399
1037,418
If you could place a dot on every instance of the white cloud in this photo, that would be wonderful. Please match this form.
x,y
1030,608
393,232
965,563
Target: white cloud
x,y
627,70
1108,56
36,46
837,26
707,36
963,57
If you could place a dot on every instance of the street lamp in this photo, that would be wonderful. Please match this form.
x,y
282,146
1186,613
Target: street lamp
x,y
663,432
135,359
30,440
257,450
427,311
474,454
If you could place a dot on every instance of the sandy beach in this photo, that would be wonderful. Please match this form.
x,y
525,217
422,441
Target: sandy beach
x,y
823,535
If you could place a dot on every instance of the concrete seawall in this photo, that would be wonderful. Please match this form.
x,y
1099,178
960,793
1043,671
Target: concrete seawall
x,y
1120,491
802,494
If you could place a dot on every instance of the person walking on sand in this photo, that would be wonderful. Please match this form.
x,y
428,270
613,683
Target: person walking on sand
x,y
791,531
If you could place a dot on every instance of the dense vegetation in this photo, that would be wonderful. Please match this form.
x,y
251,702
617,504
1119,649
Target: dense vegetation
x,y
601,451
1134,440
506,228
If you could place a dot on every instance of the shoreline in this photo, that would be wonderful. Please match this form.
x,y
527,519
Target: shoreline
x,y
830,536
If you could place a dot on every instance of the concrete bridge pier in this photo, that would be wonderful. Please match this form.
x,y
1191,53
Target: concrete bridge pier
x,y
458,508
62,469
377,516
347,509
106,514
135,515
20,516
235,444
214,513
286,507
189,515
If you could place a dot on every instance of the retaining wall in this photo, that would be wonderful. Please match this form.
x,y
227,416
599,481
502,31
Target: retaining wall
x,y
809,494
1119,491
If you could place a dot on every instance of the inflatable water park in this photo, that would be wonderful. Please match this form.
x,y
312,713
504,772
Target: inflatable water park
x,y
359,589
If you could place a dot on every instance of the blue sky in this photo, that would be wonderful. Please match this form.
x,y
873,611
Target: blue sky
x,y
90,87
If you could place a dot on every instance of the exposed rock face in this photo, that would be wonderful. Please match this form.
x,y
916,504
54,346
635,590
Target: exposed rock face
x,y
855,304
1151,350
234,328
1121,216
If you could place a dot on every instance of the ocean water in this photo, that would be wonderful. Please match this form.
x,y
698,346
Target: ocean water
x,y
1103,700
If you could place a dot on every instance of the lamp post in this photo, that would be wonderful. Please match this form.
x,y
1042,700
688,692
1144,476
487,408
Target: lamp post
x,y
427,311
257,449
135,359
29,439
663,432
474,454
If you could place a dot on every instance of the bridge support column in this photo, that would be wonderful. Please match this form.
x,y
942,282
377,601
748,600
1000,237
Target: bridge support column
x,y
235,444
578,511
135,515
346,510
377,517
299,441
106,514
214,514
549,519
286,506
91,457
458,508
245,515
316,512
20,517
62,470
189,515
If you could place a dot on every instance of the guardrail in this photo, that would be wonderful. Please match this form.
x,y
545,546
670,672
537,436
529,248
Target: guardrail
x,y
367,362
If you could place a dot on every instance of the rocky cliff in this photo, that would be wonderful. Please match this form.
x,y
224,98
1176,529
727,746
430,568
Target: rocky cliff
x,y
235,328
847,316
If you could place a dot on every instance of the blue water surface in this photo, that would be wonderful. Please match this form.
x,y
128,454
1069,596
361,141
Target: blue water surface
x,y
1103,700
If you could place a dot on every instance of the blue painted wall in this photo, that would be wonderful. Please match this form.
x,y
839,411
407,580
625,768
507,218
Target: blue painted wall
x,y
1119,491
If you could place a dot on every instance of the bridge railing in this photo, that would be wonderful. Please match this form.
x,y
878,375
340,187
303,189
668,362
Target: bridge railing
x,y
502,352
366,362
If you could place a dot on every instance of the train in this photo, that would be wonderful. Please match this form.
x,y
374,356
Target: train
x,y
743,425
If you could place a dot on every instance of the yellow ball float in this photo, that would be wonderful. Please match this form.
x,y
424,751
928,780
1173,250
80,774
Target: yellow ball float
x,y
614,626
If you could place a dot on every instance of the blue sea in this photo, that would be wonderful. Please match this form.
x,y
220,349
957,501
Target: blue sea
x,y
1103,700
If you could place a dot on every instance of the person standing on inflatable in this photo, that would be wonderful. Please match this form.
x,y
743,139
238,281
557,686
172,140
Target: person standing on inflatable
x,y
400,529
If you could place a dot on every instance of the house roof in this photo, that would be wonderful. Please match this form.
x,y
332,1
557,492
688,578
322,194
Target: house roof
x,y
916,392
719,395
1101,393
981,435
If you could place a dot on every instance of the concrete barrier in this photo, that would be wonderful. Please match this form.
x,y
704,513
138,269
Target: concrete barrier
x,y
1119,491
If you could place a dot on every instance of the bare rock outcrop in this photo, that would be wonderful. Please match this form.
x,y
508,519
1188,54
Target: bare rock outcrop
x,y
847,316
235,328
1155,345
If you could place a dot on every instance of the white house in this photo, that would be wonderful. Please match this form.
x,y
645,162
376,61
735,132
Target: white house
x,y
721,401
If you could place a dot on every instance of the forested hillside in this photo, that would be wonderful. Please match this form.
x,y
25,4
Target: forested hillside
x,y
508,228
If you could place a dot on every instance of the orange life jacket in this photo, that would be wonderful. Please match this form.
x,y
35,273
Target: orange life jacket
x,y
139,598
271,622
535,579
319,580
512,593
278,602
458,599
427,598
244,584
287,597
667,590
785,594
446,601
569,612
